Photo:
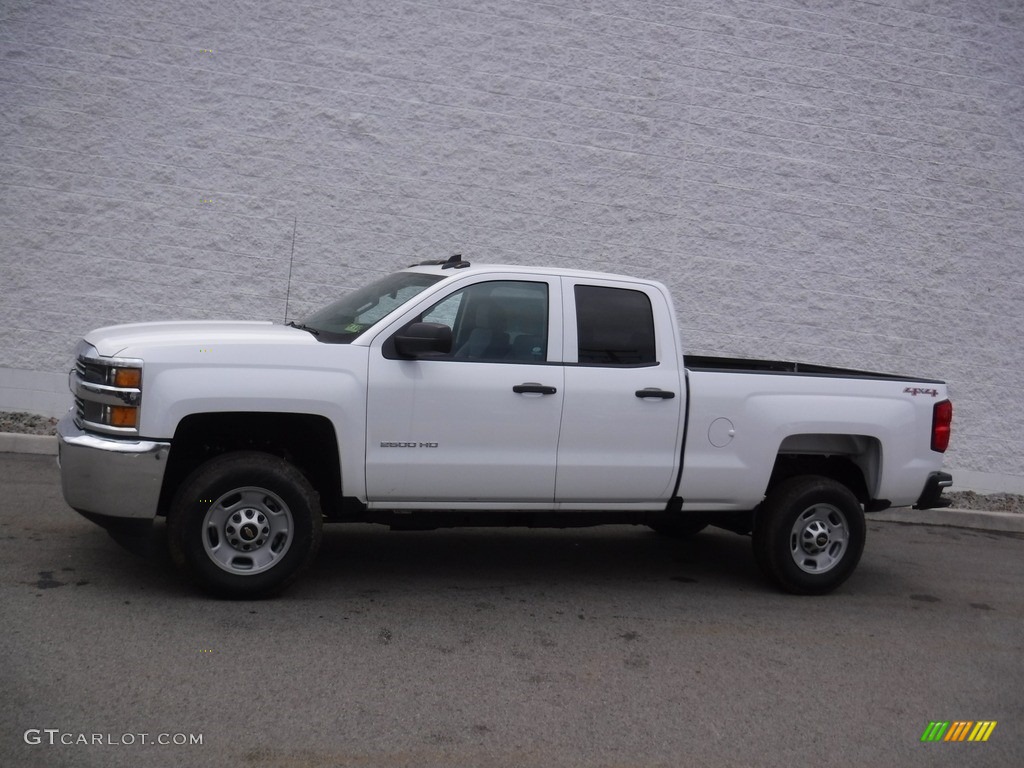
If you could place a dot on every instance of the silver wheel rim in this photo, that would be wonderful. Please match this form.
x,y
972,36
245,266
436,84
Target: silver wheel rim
x,y
247,530
819,538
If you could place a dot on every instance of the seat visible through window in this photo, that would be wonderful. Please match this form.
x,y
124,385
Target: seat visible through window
x,y
489,339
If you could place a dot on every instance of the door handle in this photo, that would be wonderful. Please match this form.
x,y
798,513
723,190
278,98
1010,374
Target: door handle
x,y
533,388
655,392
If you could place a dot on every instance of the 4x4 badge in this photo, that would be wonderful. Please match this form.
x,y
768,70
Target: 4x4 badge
x,y
915,391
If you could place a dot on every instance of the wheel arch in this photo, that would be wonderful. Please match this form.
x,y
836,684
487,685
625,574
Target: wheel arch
x,y
308,441
852,460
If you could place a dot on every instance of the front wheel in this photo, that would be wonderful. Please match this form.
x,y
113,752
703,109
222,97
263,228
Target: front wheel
x,y
244,524
809,535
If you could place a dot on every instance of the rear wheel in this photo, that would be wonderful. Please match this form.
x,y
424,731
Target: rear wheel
x,y
809,535
244,524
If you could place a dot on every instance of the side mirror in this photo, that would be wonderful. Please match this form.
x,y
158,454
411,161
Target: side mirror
x,y
423,340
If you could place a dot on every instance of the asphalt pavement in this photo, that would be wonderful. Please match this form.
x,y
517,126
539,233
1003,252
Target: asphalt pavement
x,y
476,647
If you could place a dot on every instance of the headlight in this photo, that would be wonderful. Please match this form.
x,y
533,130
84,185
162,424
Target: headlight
x,y
107,390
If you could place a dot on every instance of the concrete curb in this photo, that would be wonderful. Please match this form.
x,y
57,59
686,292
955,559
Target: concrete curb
x,y
1006,522
13,442
1003,522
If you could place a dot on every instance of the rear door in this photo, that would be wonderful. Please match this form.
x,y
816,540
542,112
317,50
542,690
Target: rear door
x,y
621,434
479,424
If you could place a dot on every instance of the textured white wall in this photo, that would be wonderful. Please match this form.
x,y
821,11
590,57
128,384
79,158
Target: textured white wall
x,y
834,181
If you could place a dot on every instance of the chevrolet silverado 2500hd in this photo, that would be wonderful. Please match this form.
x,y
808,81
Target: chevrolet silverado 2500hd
x,y
455,394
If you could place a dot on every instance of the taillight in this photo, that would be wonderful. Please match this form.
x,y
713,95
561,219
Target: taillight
x,y
942,418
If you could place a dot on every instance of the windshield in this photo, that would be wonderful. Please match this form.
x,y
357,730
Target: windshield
x,y
353,313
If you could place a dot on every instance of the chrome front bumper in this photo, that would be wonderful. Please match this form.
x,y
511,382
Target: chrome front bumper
x,y
110,477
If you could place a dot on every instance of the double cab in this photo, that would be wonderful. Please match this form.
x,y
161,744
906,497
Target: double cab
x,y
451,393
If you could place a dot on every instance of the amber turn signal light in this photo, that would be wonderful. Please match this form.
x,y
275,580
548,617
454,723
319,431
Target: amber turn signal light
x,y
123,416
127,377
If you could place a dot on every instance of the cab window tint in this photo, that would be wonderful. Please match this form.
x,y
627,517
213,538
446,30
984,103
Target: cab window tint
x,y
614,326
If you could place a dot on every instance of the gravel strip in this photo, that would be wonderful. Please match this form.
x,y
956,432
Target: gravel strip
x,y
27,423
987,502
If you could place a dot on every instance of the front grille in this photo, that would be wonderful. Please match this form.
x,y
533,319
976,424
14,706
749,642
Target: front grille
x,y
88,411
92,372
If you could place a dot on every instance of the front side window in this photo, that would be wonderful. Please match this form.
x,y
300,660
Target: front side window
x,y
496,321
614,326
349,316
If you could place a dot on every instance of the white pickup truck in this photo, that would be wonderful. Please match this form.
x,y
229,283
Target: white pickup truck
x,y
455,394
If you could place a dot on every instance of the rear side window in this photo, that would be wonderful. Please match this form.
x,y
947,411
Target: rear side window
x,y
614,326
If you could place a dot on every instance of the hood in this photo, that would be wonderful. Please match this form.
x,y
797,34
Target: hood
x,y
133,340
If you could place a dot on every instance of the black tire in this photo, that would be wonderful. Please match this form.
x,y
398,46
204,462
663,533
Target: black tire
x,y
809,535
679,526
244,524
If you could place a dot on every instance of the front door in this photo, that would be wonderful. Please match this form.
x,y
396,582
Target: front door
x,y
481,422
